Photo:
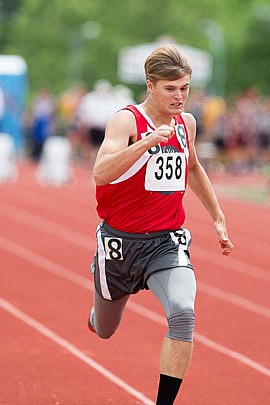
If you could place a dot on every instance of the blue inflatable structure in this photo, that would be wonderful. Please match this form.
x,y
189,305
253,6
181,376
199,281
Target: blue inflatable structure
x,y
13,94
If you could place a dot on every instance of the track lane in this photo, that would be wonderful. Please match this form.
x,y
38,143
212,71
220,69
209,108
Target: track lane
x,y
47,251
54,377
63,307
123,357
223,265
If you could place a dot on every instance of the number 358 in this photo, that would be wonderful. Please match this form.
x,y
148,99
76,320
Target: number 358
x,y
168,167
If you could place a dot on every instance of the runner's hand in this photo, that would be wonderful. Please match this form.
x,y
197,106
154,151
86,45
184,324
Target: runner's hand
x,y
225,243
161,134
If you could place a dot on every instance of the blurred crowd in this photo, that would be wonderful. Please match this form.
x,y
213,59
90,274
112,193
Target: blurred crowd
x,y
77,114
231,135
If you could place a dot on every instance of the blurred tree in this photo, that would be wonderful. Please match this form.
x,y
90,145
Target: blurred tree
x,y
52,39
7,9
253,70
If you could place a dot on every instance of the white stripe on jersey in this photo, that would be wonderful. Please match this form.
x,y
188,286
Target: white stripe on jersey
x,y
133,169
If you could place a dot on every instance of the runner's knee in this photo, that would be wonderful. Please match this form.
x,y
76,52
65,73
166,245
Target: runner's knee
x,y
181,325
105,334
105,330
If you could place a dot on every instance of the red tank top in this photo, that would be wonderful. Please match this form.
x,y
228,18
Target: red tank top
x,y
148,198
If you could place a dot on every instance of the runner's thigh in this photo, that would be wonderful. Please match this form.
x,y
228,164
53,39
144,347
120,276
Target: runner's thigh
x,y
175,288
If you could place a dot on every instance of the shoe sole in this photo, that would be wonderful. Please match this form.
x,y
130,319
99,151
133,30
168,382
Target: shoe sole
x,y
90,327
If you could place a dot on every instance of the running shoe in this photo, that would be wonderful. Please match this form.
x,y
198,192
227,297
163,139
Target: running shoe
x,y
89,323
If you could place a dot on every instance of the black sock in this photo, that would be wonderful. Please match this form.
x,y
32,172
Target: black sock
x,y
168,389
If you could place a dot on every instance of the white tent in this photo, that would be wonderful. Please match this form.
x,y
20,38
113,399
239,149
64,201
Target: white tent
x,y
131,62
12,65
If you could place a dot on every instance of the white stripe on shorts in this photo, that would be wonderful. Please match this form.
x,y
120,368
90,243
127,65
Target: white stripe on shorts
x,y
182,257
101,263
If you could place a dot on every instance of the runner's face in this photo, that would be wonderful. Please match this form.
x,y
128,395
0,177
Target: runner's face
x,y
170,95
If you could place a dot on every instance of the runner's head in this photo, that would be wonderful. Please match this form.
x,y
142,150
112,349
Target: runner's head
x,y
166,63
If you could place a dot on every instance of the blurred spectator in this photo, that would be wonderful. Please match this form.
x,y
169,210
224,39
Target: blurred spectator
x,y
214,108
68,105
195,106
94,111
263,126
41,121
240,141
238,128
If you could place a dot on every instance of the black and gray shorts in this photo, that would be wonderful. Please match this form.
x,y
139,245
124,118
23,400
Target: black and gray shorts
x,y
124,261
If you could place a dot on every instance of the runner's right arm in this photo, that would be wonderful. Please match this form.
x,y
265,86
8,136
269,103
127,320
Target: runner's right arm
x,y
116,155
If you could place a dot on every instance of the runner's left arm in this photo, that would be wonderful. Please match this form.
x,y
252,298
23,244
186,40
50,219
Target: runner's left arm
x,y
200,184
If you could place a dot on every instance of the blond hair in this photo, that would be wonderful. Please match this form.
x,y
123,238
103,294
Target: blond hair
x,y
166,63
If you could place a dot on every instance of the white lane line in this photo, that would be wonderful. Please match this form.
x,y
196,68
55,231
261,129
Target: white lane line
x,y
233,354
69,275
46,264
148,313
61,271
50,227
246,240
233,299
52,204
84,241
231,264
43,330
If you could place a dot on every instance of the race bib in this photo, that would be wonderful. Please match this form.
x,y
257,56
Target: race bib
x,y
166,172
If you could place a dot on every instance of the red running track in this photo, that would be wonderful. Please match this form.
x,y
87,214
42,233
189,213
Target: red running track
x,y
47,239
